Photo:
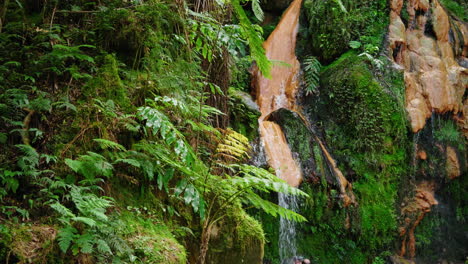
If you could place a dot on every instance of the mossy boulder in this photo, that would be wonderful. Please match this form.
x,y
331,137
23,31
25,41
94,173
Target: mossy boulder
x,y
360,115
238,238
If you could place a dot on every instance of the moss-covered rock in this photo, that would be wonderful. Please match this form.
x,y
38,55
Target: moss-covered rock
x,y
27,243
238,238
363,121
151,239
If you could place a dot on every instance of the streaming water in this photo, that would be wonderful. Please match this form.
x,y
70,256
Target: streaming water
x,y
272,94
287,235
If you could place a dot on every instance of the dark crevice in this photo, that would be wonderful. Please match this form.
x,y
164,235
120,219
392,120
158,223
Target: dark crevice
x,y
396,51
429,30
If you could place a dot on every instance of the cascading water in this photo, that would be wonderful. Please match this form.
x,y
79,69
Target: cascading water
x,y
279,92
287,235
273,94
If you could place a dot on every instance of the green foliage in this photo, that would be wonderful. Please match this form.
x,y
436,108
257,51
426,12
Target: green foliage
x,y
449,133
457,8
89,230
312,69
365,126
261,180
369,52
258,12
253,38
91,165
346,20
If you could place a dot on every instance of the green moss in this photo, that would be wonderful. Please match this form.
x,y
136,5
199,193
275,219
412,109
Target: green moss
x,y
365,126
23,243
297,134
151,239
459,8
107,85
238,238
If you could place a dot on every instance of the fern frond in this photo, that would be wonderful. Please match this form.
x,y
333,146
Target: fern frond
x,y
312,69
91,165
254,39
257,10
85,220
103,247
107,144
272,208
65,237
85,242
64,211
133,162
233,145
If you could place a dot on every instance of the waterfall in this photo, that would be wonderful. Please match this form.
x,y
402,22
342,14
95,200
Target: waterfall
x,y
287,234
272,94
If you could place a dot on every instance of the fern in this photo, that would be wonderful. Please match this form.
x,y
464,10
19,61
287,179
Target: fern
x,y
91,165
103,247
90,222
29,161
258,12
107,144
312,69
233,147
84,244
253,38
65,237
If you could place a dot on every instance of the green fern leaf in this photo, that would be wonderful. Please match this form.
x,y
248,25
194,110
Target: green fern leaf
x,y
65,237
85,220
312,69
257,10
103,247
107,144
254,39
85,242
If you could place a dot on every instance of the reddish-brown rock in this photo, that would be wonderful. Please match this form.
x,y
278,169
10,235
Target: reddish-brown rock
x,y
435,81
453,165
415,210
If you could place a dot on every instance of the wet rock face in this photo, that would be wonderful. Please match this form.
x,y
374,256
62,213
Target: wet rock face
x,y
412,213
429,45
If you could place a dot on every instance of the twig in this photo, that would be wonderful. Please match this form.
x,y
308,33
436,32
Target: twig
x,y
52,18
26,121
67,147
3,14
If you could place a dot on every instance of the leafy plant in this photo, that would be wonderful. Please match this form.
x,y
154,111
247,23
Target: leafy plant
x,y
91,165
88,230
312,69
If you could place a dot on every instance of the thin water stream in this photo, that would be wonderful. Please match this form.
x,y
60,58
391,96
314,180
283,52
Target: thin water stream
x,y
287,234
